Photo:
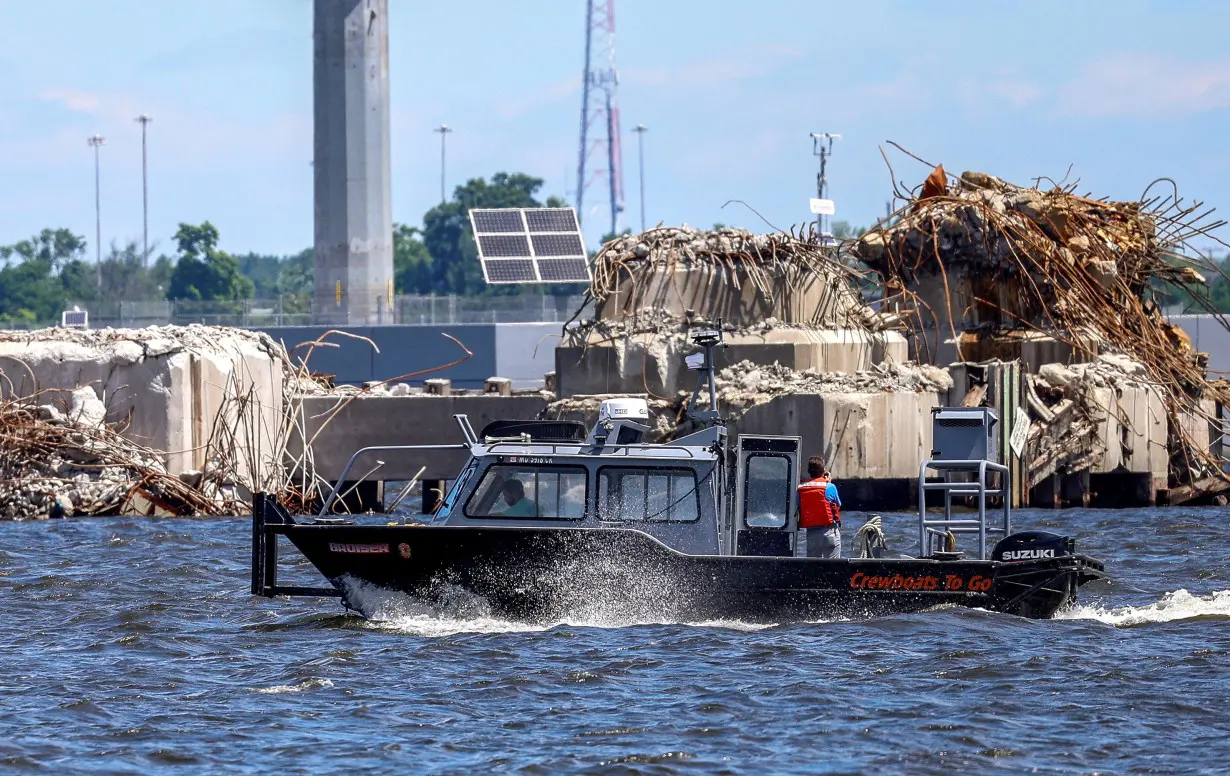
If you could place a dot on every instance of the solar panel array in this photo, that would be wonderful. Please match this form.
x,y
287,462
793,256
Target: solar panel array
x,y
530,245
75,319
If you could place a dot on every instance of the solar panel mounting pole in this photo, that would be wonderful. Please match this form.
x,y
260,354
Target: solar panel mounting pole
x,y
443,129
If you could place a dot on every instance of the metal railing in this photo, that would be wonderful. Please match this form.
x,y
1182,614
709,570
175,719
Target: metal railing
x,y
932,528
293,310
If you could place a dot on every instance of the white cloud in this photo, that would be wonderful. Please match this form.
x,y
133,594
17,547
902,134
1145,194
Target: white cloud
x,y
78,102
1146,85
740,65
542,97
183,136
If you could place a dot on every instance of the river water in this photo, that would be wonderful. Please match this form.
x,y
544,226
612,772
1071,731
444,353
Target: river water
x,y
132,646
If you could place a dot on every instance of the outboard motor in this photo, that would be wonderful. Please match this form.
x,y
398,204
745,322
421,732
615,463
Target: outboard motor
x,y
1033,545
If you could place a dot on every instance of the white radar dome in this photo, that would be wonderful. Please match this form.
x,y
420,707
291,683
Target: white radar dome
x,y
624,409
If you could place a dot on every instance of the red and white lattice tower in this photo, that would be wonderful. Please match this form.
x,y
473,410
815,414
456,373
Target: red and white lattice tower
x,y
600,168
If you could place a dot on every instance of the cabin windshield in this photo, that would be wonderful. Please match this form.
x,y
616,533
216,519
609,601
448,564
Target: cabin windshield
x,y
530,492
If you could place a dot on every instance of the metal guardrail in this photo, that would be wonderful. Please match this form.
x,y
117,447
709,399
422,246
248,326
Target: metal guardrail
x,y
930,528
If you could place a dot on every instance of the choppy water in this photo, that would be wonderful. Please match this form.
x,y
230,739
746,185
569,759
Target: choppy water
x,y
133,647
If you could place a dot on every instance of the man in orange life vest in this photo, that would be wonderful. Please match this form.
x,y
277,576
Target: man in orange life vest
x,y
820,511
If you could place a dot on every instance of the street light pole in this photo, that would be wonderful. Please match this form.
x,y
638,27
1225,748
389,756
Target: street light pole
x,y
95,141
640,131
144,121
443,129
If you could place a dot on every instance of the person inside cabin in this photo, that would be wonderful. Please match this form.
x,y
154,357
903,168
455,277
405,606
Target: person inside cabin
x,y
820,511
514,496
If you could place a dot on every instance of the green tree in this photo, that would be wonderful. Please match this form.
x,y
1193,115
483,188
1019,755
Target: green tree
x,y
297,275
33,279
411,261
203,272
125,275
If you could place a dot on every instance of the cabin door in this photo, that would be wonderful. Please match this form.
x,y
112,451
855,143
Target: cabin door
x,y
765,511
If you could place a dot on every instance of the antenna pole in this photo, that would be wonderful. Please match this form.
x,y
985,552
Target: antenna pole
x,y
600,112
822,146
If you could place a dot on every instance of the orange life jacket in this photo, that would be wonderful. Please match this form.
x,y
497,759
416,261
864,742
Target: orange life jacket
x,y
815,509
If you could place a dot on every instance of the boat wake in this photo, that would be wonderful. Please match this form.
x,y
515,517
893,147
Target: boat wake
x,y
1179,605
457,610
306,684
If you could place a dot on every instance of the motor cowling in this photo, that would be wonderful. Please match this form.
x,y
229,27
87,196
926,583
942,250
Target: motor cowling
x,y
1033,545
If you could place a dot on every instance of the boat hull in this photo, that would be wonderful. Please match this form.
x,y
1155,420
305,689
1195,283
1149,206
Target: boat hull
x,y
541,575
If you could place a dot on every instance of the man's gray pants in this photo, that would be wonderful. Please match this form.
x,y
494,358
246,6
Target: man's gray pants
x,y
824,542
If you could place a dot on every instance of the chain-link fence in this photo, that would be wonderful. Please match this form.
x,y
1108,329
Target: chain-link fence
x,y
297,311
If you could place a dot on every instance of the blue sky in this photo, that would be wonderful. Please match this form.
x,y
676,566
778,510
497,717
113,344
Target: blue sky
x,y
1123,91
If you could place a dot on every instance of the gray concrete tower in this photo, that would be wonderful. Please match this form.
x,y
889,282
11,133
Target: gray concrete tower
x,y
354,219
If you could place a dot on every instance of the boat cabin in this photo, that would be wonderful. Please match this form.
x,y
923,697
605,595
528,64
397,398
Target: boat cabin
x,y
693,494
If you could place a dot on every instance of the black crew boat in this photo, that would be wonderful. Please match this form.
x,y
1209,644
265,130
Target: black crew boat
x,y
550,521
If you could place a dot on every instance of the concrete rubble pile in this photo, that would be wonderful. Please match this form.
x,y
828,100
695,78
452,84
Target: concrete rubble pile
x,y
679,270
165,420
747,382
1071,406
63,462
997,265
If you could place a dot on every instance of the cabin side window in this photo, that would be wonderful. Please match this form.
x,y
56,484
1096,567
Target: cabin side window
x,y
530,493
768,490
654,495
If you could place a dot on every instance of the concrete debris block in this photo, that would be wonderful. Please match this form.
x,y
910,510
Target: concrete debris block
x,y
1056,375
399,389
86,409
1123,364
936,378
160,346
192,478
438,386
499,386
63,505
126,352
50,412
